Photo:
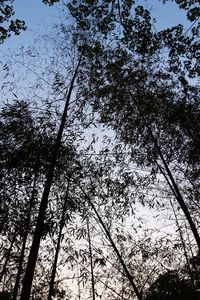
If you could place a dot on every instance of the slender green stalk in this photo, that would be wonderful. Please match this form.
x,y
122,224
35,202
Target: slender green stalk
x,y
91,260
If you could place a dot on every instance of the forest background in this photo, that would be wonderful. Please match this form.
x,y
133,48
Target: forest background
x,y
99,148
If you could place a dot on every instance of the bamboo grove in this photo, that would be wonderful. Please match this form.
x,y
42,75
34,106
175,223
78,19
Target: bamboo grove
x,y
100,155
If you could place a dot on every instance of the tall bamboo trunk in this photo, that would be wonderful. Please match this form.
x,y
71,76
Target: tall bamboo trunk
x,y
171,181
183,245
91,260
8,256
21,259
175,189
62,223
28,278
120,258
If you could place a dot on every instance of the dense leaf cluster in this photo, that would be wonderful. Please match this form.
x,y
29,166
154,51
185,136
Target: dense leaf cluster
x,y
12,26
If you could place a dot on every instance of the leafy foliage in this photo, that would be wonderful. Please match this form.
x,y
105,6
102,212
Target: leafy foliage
x,y
138,82
50,2
6,13
170,286
7,24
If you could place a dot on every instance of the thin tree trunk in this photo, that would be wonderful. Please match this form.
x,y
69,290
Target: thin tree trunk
x,y
123,287
8,256
173,185
183,244
28,278
179,197
196,271
53,274
128,275
91,260
79,288
21,259
62,222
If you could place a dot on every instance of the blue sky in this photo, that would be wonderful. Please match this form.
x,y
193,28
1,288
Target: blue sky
x,y
166,15
40,17
37,16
